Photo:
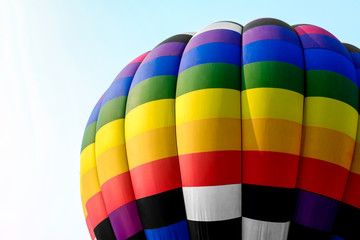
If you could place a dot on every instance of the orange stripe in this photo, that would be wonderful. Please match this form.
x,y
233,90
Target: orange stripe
x,y
273,135
151,145
90,184
355,165
111,163
328,145
207,135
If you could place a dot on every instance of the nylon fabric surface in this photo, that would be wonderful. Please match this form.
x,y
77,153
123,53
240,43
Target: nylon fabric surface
x,y
231,132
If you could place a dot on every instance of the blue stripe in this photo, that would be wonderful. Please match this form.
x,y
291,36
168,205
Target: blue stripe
x,y
272,50
218,52
94,114
322,59
315,40
118,88
336,238
166,65
356,59
176,231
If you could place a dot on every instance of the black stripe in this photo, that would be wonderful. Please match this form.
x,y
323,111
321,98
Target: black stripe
x,y
301,24
347,222
183,38
267,21
227,229
268,203
138,236
162,209
104,231
351,48
300,232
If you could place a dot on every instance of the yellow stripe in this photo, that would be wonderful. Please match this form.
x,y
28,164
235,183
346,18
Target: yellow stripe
x,y
148,116
112,163
90,184
87,159
358,131
275,135
355,165
109,136
328,145
207,135
332,114
208,103
151,145
272,103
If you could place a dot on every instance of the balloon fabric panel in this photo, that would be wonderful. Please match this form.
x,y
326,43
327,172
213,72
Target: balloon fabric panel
x,y
150,119
228,133
208,129
272,112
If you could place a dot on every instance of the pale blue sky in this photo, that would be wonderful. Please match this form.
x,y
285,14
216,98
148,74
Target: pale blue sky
x,y
58,57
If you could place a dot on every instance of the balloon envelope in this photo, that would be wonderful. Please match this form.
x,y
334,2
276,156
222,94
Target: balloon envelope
x,y
231,132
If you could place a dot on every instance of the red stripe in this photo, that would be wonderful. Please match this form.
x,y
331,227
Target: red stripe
x,y
210,168
273,169
308,29
322,177
90,228
117,191
352,192
96,209
156,177
139,58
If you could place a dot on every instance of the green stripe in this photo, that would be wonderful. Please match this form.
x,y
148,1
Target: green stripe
x,y
89,136
273,74
111,110
155,88
209,75
332,85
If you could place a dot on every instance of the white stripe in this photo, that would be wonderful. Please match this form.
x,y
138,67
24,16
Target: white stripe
x,y
262,230
189,33
221,25
213,203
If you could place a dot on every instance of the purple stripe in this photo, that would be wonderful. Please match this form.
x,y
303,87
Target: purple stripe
x,y
315,40
270,32
217,35
166,49
125,221
315,211
128,71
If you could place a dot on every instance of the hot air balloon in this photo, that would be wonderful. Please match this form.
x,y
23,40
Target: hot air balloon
x,y
231,132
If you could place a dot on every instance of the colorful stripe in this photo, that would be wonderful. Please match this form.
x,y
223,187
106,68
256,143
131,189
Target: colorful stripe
x,y
208,132
228,133
91,196
329,131
272,113
348,216
151,142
